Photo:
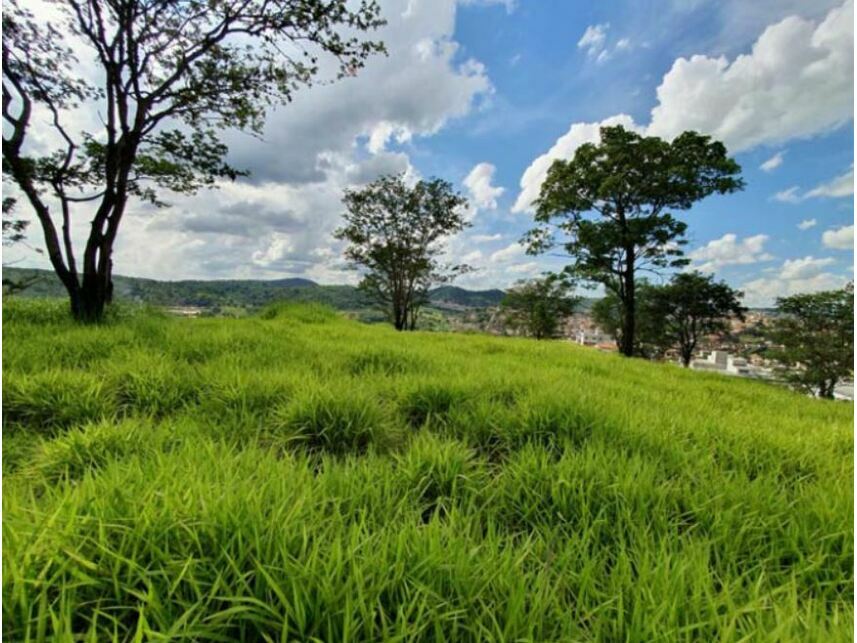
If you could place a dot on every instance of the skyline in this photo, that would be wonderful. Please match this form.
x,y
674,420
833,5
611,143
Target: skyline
x,y
484,93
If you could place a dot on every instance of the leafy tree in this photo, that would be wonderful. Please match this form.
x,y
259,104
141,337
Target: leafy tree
x,y
394,231
690,306
170,76
539,306
816,332
609,208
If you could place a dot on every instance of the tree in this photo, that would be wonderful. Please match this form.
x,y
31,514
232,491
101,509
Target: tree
x,y
394,231
538,306
607,314
171,75
609,208
690,306
816,332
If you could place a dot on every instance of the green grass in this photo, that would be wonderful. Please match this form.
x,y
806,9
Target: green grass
x,y
299,477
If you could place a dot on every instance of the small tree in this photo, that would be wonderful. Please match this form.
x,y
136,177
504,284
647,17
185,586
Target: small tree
x,y
610,206
690,306
394,233
539,306
170,76
15,232
817,334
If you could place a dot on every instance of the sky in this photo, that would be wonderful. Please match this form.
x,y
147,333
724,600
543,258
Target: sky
x,y
486,93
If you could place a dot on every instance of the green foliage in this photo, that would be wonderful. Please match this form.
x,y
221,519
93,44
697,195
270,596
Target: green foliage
x,y
304,485
539,306
610,207
816,332
394,232
690,306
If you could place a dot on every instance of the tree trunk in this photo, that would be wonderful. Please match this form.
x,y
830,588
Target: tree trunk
x,y
629,312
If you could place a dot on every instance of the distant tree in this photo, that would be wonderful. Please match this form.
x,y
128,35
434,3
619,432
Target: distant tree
x,y
171,77
816,332
689,307
539,306
14,232
394,233
610,206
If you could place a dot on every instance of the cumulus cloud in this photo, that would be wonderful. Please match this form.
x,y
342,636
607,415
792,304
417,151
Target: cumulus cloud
x,y
806,224
839,238
772,163
767,96
729,250
332,136
763,292
804,268
483,195
483,238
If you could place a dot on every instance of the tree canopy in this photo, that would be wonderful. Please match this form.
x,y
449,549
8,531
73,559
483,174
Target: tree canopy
x,y
687,308
816,332
610,208
169,77
394,231
538,306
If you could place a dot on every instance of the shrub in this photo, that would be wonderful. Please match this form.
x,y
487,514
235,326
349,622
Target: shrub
x,y
339,423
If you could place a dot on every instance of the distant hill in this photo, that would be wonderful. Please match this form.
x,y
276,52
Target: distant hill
x,y
246,293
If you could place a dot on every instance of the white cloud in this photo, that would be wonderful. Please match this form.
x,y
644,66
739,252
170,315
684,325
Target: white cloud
x,y
509,253
728,251
623,44
842,185
805,268
806,224
510,5
483,195
772,163
796,81
564,148
472,257
789,195
763,292
839,238
767,96
594,39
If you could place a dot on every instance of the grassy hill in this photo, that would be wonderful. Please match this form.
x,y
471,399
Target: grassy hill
x,y
298,476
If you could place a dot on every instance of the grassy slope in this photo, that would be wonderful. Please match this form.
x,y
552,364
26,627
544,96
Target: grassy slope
x,y
302,477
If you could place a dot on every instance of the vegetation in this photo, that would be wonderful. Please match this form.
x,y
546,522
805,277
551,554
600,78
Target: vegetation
x,y
394,232
611,203
172,77
816,332
296,476
539,306
687,308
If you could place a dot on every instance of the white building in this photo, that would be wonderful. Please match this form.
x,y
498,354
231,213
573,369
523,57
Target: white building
x,y
723,362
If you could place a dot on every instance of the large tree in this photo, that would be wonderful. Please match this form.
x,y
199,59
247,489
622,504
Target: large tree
x,y
687,308
609,207
165,78
539,306
394,231
816,332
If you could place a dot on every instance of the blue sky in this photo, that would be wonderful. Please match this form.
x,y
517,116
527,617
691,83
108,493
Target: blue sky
x,y
485,93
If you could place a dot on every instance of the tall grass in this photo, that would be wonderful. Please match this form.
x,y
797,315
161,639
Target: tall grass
x,y
297,476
